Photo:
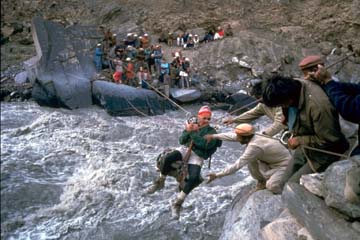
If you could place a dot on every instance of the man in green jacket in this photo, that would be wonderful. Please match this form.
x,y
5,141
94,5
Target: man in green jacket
x,y
194,150
312,121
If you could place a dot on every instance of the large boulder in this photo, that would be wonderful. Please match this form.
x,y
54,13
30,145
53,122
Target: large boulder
x,y
250,214
123,100
314,183
64,68
334,183
310,211
284,227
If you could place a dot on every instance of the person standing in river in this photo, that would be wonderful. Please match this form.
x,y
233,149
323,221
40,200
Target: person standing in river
x,y
191,155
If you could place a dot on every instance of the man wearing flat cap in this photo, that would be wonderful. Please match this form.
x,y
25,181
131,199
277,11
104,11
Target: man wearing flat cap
x,y
266,158
309,65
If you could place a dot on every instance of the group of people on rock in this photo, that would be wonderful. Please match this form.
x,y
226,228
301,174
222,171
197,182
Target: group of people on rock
x,y
306,111
188,40
135,62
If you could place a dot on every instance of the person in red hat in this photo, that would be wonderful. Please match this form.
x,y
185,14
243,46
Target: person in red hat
x,y
310,64
265,157
194,150
346,99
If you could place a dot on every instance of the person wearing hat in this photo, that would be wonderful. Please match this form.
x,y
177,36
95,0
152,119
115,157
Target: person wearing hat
x,y
346,99
194,150
151,63
137,41
312,121
310,65
145,41
184,74
265,157
129,70
114,40
196,40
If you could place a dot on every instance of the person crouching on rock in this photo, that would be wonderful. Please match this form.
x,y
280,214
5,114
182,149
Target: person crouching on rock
x,y
185,162
265,157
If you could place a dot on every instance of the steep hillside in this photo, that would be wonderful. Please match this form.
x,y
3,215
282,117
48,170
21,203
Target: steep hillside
x,y
306,22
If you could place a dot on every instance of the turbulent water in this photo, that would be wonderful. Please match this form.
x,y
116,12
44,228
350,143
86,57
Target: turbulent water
x,y
82,174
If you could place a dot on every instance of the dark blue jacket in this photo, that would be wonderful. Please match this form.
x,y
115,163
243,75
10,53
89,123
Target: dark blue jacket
x,y
346,99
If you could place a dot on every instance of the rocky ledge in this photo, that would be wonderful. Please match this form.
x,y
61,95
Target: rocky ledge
x,y
316,209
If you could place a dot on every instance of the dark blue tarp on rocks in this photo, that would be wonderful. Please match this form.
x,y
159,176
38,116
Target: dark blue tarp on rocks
x,y
123,100
64,68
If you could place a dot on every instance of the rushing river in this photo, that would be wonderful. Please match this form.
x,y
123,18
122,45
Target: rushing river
x,y
82,174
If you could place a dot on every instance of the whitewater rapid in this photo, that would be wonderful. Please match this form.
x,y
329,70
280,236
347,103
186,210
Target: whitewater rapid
x,y
82,174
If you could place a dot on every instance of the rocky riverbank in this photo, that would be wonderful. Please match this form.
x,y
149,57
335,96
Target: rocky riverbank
x,y
315,210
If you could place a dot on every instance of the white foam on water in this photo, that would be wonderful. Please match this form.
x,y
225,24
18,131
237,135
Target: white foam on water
x,y
95,169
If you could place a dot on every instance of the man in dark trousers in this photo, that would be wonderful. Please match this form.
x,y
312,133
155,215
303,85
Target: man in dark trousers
x,y
194,150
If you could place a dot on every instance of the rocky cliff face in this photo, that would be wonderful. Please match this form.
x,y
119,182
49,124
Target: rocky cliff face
x,y
309,24
268,35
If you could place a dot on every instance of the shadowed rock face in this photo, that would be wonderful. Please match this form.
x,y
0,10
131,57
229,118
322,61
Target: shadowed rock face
x,y
268,35
64,68
335,182
250,213
320,26
312,212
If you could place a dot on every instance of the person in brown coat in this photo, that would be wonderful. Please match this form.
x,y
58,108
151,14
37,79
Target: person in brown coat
x,y
312,121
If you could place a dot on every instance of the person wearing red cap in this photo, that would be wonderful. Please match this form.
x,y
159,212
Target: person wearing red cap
x,y
346,99
265,157
310,64
312,121
344,96
195,149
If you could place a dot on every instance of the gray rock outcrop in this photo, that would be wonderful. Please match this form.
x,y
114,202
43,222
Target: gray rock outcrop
x,y
21,78
334,183
312,212
252,213
285,227
64,68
